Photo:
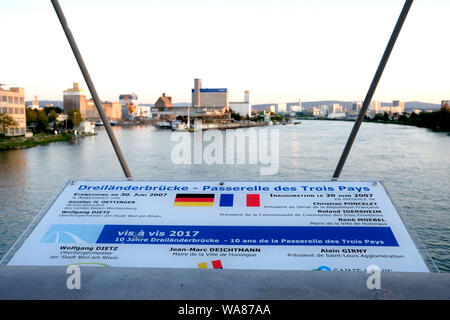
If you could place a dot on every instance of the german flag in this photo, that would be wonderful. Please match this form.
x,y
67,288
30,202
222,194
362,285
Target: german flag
x,y
194,200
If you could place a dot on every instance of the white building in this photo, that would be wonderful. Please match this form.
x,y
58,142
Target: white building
x,y
336,115
272,108
316,111
296,107
243,108
142,111
282,108
335,108
86,127
324,109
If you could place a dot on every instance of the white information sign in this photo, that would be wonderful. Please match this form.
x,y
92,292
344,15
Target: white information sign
x,y
231,225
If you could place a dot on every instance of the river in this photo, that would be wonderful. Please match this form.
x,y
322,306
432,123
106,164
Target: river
x,y
413,163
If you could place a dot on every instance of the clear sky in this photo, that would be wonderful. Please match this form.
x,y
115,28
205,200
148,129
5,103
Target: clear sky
x,y
280,50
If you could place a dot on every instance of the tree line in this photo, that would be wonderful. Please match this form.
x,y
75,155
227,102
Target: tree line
x,y
437,120
42,120
45,120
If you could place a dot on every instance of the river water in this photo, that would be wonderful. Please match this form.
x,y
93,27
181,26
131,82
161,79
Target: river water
x,y
413,163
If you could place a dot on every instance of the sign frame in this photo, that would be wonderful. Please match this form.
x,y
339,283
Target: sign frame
x,y
417,241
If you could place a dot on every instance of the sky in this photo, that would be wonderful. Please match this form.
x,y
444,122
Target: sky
x,y
280,50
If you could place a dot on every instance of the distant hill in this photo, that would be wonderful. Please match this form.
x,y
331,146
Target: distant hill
x,y
410,105
182,104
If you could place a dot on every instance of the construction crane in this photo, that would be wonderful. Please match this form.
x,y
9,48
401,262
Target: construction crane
x,y
130,105
127,100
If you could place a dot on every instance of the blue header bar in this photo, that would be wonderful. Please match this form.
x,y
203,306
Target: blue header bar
x,y
249,235
213,90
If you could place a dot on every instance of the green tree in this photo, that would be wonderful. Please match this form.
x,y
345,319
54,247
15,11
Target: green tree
x,y
378,116
403,118
234,115
52,116
6,122
413,116
386,116
42,121
49,109
31,116
74,118
443,118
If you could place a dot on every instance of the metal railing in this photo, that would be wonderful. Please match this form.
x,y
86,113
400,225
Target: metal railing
x,y
373,86
91,87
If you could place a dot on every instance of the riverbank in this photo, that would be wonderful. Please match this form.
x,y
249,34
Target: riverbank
x,y
13,143
438,126
441,126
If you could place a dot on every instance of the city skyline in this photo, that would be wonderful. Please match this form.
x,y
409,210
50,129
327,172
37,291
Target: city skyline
x,y
281,51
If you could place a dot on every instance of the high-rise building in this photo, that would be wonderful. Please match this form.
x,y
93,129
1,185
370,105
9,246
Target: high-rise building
x,y
74,99
335,108
281,108
356,106
196,97
375,106
398,106
209,97
247,96
12,103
